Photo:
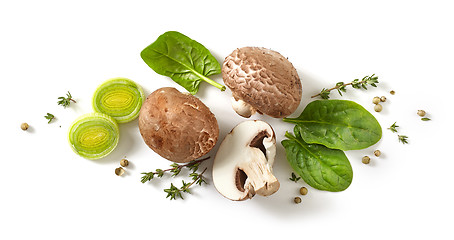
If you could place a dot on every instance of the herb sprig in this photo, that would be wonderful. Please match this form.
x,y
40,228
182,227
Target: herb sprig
x,y
294,178
66,101
49,117
393,127
174,192
342,87
402,139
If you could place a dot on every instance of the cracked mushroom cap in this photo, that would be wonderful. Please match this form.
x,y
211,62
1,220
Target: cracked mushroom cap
x,y
177,126
243,163
261,80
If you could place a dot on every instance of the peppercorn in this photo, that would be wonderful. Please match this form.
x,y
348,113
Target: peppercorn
x,y
377,153
366,160
383,99
303,191
392,92
297,200
124,162
378,108
24,126
375,100
119,171
421,113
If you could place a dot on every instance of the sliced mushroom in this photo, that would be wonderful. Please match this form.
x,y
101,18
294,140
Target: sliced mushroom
x,y
262,80
243,163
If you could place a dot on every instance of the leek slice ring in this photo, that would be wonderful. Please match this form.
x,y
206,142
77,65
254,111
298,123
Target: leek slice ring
x,y
94,135
120,98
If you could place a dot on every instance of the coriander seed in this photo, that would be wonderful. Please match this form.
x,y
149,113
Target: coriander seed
x,y
375,100
378,108
392,92
124,162
377,153
366,160
24,126
303,190
383,99
421,113
297,200
119,171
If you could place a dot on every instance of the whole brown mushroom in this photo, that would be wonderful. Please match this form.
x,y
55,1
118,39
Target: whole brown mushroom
x,y
263,81
177,126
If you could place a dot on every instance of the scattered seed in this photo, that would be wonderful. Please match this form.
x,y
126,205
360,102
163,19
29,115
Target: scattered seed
x,y
375,100
378,108
421,113
366,160
124,162
392,92
24,126
297,200
119,171
303,190
377,153
383,99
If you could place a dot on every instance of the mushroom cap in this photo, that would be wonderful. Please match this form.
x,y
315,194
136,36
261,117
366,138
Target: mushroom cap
x,y
264,79
177,126
243,163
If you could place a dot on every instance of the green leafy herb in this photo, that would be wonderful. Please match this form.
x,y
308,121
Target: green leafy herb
x,y
173,192
341,86
402,139
425,119
338,124
66,101
184,60
393,127
294,178
49,117
320,167
175,170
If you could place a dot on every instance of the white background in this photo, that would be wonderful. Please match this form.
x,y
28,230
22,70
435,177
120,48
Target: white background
x,y
50,47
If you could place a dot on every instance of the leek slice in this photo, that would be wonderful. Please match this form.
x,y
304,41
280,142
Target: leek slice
x,y
120,98
93,135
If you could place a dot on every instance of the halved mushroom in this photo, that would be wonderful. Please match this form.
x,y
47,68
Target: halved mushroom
x,y
243,163
261,80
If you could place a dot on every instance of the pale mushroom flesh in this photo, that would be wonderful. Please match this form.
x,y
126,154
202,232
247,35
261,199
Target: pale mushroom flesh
x,y
243,163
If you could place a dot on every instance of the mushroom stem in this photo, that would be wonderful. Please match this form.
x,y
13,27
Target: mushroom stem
x,y
259,174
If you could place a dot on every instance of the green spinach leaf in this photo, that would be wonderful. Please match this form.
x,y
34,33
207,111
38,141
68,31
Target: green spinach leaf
x,y
184,60
338,124
320,167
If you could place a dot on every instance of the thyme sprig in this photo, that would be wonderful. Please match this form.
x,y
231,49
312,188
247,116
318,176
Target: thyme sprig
x,y
342,87
294,178
174,192
402,139
393,127
66,101
49,117
175,170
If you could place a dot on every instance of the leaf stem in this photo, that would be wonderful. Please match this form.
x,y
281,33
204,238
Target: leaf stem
x,y
208,80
